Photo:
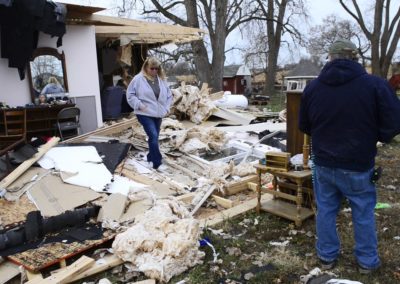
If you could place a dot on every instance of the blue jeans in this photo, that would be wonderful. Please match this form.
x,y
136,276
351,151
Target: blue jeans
x,y
151,126
330,186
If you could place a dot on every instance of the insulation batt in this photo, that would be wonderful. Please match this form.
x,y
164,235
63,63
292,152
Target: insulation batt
x,y
163,242
199,138
195,103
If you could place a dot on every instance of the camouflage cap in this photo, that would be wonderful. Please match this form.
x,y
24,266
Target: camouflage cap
x,y
343,46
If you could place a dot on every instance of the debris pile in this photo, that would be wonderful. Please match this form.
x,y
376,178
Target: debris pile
x,y
163,241
195,103
199,138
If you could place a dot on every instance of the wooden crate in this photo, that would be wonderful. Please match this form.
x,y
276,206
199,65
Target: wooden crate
x,y
278,161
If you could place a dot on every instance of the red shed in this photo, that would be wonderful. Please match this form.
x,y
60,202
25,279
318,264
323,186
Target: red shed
x,y
236,79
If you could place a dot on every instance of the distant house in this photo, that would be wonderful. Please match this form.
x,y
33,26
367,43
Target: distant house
x,y
181,72
297,78
236,78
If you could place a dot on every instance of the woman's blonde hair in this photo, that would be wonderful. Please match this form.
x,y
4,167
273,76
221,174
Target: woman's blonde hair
x,y
153,62
53,80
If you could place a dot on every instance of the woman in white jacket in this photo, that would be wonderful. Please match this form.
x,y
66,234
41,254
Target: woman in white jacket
x,y
150,97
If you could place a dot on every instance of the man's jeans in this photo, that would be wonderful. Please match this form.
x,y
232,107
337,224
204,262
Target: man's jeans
x,y
151,126
330,186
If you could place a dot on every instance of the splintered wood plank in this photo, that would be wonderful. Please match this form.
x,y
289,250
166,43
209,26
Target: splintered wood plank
x,y
226,203
49,254
241,185
232,212
64,275
28,163
107,262
105,131
186,198
205,197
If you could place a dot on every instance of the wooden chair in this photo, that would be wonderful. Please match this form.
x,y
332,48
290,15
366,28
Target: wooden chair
x,y
14,132
68,121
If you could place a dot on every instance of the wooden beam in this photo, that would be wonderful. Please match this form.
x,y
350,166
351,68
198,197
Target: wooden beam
x,y
203,199
28,163
110,261
226,203
187,198
234,211
144,30
136,23
252,186
109,130
239,186
65,274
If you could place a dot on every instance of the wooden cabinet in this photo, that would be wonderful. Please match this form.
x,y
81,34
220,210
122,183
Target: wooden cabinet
x,y
295,137
40,120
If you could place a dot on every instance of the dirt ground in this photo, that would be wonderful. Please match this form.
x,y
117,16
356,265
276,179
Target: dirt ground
x,y
246,254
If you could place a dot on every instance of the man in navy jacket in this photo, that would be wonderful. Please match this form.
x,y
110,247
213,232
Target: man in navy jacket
x,y
347,111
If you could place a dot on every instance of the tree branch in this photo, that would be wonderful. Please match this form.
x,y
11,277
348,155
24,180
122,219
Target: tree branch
x,y
358,18
166,13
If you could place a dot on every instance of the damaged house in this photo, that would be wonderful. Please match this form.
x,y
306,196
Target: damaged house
x,y
60,200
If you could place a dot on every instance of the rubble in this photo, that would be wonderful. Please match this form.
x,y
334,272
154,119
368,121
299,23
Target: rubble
x,y
195,103
162,242
155,233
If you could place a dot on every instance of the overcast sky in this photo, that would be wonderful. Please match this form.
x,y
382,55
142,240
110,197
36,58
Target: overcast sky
x,y
317,9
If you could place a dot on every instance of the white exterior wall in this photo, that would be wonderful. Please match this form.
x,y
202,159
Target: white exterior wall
x,y
79,46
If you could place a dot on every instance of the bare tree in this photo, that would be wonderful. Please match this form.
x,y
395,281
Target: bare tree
x,y
384,33
332,28
277,17
218,17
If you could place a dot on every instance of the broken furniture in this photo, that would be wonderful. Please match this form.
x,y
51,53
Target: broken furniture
x,y
277,161
284,193
13,131
68,122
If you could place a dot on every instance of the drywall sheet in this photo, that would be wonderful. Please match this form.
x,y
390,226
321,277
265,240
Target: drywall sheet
x,y
111,153
231,115
53,197
122,185
113,209
82,164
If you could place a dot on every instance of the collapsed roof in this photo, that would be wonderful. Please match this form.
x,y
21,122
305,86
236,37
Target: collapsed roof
x,y
136,31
